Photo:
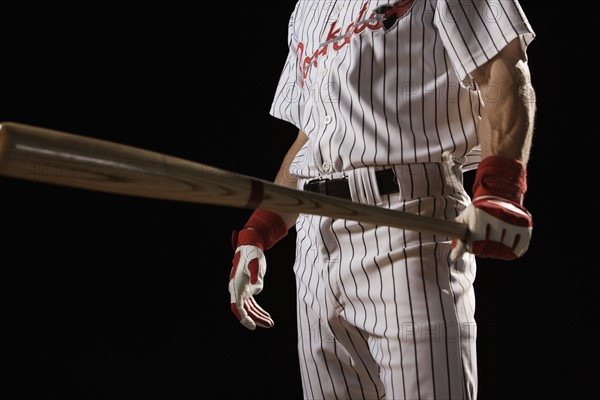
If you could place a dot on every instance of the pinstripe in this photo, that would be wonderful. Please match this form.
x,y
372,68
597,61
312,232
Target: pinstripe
x,y
429,323
425,296
412,317
359,100
435,89
384,101
324,266
344,285
410,79
319,94
396,320
424,116
345,116
366,280
445,324
401,136
304,353
393,379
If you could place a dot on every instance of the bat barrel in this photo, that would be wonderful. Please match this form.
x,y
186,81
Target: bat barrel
x,y
54,157
48,156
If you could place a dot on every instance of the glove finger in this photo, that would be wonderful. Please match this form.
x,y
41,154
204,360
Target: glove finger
x,y
497,250
242,316
458,249
257,314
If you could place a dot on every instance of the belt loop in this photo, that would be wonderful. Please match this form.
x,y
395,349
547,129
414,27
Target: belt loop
x,y
363,186
322,186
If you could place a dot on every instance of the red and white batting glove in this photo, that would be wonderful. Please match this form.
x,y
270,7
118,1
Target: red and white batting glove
x,y
499,226
263,229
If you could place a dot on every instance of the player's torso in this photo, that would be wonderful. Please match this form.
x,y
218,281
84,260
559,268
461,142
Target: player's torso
x,y
375,86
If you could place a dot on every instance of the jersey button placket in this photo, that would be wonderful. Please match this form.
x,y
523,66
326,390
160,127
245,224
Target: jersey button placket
x,y
325,117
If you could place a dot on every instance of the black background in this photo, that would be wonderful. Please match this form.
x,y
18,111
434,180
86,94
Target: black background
x,y
111,297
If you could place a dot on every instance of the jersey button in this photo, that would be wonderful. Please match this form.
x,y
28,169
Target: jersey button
x,y
328,119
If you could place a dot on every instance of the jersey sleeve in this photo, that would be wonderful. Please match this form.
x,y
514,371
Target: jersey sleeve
x,y
474,31
286,102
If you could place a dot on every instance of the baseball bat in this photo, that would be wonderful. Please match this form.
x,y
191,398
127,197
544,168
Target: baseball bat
x,y
49,156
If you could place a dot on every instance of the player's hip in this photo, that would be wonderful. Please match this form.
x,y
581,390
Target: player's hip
x,y
381,267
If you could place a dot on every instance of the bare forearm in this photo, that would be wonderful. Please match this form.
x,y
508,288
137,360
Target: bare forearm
x,y
284,178
507,122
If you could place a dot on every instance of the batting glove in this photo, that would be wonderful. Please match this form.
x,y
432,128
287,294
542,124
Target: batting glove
x,y
261,232
499,226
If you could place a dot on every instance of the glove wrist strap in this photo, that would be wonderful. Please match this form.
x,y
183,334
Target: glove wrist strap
x,y
501,176
247,237
264,228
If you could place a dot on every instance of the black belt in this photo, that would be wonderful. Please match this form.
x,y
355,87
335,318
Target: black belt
x,y
386,182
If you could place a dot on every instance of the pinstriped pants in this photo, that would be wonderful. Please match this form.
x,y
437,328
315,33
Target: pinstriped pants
x,y
382,312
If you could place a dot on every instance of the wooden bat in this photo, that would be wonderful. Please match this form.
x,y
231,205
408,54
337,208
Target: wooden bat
x,y
49,156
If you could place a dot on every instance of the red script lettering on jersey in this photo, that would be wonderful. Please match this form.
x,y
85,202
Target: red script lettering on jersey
x,y
337,40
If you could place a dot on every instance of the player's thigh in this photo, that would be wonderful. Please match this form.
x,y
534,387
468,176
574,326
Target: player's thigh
x,y
335,359
425,346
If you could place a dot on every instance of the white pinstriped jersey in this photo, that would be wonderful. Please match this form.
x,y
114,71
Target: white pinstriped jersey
x,y
382,86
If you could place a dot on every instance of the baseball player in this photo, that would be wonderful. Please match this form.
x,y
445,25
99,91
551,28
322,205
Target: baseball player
x,y
393,102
